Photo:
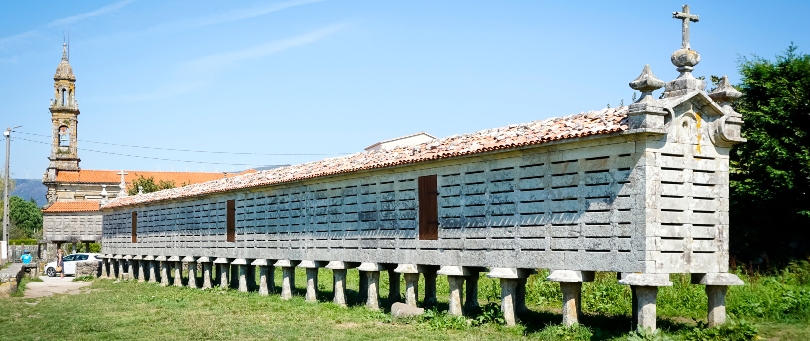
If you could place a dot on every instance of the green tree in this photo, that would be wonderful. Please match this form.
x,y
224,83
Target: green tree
x,y
149,185
25,216
770,174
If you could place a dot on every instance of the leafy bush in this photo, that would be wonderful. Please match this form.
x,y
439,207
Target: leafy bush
x,y
436,320
23,241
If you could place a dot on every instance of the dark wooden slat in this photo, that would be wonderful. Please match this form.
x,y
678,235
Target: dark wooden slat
x,y
428,208
231,220
134,227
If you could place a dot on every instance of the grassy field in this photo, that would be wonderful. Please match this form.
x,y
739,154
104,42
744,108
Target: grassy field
x,y
778,306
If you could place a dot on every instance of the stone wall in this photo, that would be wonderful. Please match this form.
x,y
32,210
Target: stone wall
x,y
88,268
72,226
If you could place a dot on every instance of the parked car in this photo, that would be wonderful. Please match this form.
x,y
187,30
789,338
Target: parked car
x,y
69,267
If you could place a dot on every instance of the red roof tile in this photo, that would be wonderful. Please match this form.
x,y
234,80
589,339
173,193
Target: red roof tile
x,y
604,121
73,206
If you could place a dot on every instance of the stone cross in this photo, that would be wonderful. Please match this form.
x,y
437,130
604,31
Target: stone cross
x,y
123,184
685,17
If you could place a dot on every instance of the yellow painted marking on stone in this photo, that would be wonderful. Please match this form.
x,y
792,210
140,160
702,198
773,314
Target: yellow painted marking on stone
x,y
697,130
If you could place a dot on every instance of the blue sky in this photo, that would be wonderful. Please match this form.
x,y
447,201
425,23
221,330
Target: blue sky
x,y
323,78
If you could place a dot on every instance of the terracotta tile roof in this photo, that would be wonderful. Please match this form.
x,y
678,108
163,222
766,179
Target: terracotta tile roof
x,y
111,176
603,121
73,206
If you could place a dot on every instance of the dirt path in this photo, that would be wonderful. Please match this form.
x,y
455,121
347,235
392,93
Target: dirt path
x,y
53,285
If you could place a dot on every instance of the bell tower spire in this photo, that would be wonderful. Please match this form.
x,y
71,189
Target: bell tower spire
x,y
64,120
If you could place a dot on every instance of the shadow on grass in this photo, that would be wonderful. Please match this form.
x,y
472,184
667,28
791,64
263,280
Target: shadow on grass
x,y
604,327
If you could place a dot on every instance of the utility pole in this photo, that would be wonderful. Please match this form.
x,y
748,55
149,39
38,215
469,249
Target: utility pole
x,y
6,221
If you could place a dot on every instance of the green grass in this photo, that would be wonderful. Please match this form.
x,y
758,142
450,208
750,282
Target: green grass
x,y
774,306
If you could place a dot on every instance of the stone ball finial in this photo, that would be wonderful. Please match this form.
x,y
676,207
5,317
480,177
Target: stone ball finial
x,y
646,82
685,59
725,93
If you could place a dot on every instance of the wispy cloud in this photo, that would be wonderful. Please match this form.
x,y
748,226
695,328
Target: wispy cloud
x,y
226,17
187,77
35,33
79,17
220,60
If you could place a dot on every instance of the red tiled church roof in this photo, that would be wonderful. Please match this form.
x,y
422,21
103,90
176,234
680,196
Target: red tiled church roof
x,y
604,121
72,206
112,176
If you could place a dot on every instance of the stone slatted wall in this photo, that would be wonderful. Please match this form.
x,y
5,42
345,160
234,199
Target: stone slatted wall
x,y
566,208
72,226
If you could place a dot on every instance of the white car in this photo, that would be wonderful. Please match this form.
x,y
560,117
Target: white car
x,y
69,267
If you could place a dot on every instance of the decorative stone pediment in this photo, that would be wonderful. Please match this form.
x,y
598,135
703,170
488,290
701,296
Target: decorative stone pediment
x,y
690,119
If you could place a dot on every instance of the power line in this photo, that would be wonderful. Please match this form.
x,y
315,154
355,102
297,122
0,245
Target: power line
x,y
194,151
151,158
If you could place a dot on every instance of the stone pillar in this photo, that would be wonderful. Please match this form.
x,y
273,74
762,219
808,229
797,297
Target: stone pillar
x,y
455,279
239,268
362,287
207,274
429,272
372,276
510,278
164,270
120,273
222,272
645,288
138,263
265,280
394,290
176,270
191,265
312,279
571,287
411,273
716,288
339,275
251,275
287,277
130,267
233,282
520,297
471,291
86,246
104,264
150,265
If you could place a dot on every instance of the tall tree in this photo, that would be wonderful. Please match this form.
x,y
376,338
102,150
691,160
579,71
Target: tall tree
x,y
25,216
770,175
148,185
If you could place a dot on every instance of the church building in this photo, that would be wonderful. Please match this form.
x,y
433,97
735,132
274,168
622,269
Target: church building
x,y
74,195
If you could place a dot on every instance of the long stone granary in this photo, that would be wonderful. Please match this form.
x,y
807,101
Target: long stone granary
x,y
639,190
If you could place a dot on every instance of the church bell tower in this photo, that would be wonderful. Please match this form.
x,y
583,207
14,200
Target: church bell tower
x,y
64,121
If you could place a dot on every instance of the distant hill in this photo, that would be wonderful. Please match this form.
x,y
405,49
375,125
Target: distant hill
x,y
30,188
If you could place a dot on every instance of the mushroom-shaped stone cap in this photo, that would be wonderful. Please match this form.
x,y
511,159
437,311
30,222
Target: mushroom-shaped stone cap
x,y
646,81
685,59
725,93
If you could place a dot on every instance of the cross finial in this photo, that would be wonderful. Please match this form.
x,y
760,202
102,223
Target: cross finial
x,y
685,17
123,185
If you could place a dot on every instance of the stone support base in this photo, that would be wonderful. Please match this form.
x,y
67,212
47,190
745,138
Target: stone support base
x,y
339,270
510,278
312,285
151,265
430,287
251,276
644,288
716,288
191,267
456,292
130,265
411,288
287,278
394,290
471,292
241,274
265,279
164,271
178,273
222,272
141,266
105,263
571,287
207,274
